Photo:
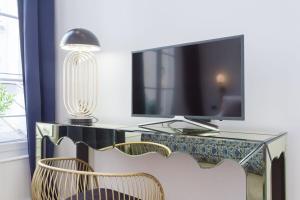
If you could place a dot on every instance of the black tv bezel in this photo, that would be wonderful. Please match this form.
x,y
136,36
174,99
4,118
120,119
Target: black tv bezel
x,y
242,117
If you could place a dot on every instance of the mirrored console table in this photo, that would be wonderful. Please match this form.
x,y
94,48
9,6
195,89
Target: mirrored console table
x,y
262,155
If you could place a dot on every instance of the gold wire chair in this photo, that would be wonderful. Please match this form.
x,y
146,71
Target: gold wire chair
x,y
138,148
74,179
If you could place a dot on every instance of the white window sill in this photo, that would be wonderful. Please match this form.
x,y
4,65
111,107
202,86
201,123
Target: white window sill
x,y
10,151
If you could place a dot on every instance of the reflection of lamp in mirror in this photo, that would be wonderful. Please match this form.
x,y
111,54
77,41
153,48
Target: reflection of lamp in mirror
x,y
80,75
221,79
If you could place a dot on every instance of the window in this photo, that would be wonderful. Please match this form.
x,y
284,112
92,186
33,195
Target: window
x,y
12,106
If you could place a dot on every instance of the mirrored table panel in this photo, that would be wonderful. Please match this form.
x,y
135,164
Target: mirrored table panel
x,y
260,154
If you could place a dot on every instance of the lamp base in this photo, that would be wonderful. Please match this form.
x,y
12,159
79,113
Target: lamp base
x,y
82,121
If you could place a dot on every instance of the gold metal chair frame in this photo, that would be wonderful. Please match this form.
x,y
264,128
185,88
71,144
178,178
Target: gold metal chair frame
x,y
138,148
71,178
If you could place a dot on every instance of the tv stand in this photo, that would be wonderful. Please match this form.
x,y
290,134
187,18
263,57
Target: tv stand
x,y
202,121
198,120
180,125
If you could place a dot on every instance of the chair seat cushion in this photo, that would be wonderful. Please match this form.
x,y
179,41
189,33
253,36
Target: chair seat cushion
x,y
103,194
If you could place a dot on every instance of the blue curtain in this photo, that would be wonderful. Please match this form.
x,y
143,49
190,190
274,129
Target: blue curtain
x,y
38,58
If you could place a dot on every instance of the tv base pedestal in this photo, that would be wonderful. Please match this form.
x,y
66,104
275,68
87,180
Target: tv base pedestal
x,y
180,129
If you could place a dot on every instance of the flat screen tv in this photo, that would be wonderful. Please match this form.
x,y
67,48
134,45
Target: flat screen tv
x,y
199,80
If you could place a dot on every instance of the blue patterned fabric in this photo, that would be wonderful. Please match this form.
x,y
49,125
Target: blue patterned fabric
x,y
212,150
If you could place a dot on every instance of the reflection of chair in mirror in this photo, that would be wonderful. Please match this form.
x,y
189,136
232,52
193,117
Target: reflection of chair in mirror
x,y
231,106
138,148
71,178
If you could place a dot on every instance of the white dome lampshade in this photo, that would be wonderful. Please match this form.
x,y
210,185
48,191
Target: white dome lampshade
x,y
80,75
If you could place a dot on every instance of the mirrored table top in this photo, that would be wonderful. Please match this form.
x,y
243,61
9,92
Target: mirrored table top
x,y
226,134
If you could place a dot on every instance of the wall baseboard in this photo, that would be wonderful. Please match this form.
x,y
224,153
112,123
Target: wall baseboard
x,y
11,159
13,151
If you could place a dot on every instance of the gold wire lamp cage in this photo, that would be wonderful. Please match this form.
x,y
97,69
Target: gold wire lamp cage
x,y
80,75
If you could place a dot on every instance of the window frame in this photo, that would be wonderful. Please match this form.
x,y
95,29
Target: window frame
x,y
13,149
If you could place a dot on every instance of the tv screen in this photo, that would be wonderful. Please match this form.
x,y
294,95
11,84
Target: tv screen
x,y
198,80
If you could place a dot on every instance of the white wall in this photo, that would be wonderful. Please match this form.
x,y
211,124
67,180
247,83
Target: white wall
x,y
15,180
14,171
272,63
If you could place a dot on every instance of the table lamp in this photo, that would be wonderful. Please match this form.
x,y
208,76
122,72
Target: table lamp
x,y
80,75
